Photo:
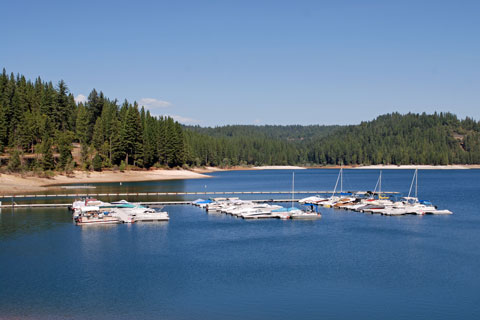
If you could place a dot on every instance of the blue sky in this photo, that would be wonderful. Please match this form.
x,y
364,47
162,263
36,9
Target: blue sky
x,y
255,62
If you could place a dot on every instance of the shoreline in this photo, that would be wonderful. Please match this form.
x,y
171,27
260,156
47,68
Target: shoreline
x,y
422,167
11,184
380,166
17,183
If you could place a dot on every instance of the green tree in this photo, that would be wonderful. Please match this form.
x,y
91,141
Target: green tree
x,y
97,162
48,162
64,144
14,164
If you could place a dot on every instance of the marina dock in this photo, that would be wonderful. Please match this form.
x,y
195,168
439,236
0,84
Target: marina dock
x,y
18,201
151,204
157,194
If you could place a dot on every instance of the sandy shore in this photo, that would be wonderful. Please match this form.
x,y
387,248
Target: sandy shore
x,y
423,167
277,168
15,184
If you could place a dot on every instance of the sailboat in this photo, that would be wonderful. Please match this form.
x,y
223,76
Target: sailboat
x,y
302,214
336,201
382,203
412,205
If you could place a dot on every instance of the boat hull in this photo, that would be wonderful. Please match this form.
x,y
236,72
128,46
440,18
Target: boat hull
x,y
306,216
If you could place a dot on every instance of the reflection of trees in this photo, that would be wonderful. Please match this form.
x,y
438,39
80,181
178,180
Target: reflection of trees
x,y
26,221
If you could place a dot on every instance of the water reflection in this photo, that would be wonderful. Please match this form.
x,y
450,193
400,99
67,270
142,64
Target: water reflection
x,y
17,222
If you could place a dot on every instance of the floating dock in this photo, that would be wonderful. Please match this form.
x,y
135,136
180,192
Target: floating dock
x,y
151,204
156,194
14,201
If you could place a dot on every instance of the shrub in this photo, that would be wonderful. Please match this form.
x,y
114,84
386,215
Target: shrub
x,y
122,166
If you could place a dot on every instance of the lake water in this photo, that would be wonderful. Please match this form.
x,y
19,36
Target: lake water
x,y
198,266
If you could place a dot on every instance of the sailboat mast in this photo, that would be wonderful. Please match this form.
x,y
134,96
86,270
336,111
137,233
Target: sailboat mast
x,y
416,183
293,186
380,183
341,180
336,184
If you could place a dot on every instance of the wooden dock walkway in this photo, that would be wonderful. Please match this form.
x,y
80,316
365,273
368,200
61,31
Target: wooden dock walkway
x,y
156,194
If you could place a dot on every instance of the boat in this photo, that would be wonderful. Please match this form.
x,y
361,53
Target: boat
x,y
151,216
84,212
91,215
307,214
285,213
312,199
299,214
333,199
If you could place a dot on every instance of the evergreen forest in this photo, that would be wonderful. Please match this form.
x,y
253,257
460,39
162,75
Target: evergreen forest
x,y
42,128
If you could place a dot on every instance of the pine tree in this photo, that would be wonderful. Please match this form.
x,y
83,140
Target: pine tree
x,y
63,107
98,136
82,124
97,162
14,164
64,145
3,127
48,162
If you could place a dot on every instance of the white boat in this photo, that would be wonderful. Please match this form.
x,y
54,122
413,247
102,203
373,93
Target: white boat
x,y
90,215
296,213
137,214
151,216
306,215
264,207
312,199
91,220
256,213
333,199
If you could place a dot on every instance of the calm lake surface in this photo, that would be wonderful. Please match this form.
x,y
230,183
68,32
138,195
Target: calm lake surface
x,y
198,266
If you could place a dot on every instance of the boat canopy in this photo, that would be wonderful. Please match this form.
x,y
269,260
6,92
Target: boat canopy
x,y
285,209
200,201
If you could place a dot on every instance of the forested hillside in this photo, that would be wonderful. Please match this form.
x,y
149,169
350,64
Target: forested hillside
x,y
38,118
390,139
253,145
40,123
435,139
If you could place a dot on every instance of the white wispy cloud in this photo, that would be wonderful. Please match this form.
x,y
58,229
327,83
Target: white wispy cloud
x,y
153,103
80,98
184,120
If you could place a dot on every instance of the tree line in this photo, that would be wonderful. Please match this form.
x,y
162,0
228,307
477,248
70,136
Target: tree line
x,y
42,119
438,139
40,123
